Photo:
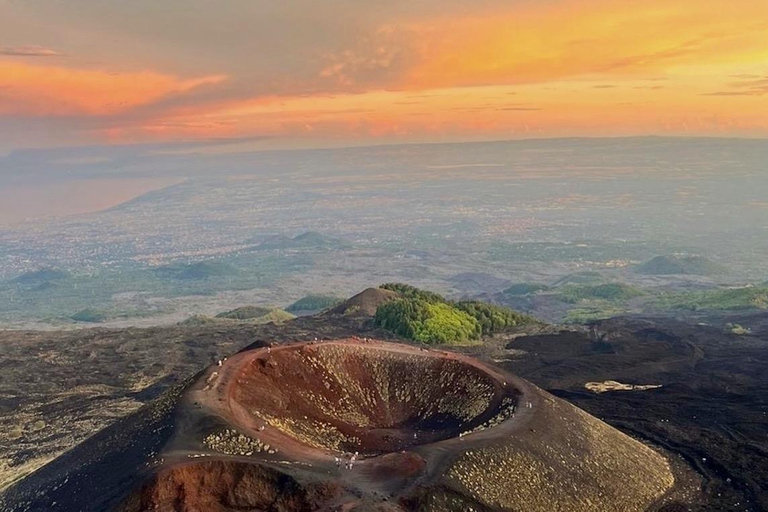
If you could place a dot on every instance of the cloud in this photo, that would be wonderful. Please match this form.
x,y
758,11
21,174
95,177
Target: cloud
x,y
40,90
137,71
29,51
750,85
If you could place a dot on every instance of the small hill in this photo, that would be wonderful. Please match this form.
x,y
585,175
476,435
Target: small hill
x,y
364,303
93,316
313,303
680,265
45,286
611,292
584,277
197,271
477,282
275,316
522,289
428,317
308,240
42,275
245,313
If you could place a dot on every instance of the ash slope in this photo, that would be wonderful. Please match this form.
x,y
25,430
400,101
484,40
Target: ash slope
x,y
509,445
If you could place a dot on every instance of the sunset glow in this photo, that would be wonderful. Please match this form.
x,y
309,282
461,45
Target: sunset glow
x,y
505,70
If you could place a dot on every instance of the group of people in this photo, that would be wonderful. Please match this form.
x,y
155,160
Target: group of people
x,y
348,463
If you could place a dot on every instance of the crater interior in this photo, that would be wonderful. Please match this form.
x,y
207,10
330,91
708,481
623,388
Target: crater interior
x,y
368,398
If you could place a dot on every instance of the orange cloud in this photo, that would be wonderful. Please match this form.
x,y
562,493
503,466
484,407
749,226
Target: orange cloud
x,y
546,41
573,67
38,90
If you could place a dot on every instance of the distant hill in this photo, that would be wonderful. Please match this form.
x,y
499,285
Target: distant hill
x,y
750,297
521,289
314,303
197,271
611,292
364,303
245,313
477,282
681,265
584,277
308,240
41,276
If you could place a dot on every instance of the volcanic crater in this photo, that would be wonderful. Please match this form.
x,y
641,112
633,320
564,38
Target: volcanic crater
x,y
366,398
355,424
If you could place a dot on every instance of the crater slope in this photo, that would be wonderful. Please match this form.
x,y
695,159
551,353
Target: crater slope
x,y
355,425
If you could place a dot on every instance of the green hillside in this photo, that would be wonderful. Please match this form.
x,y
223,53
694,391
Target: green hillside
x,y
611,292
521,289
314,303
244,313
425,316
753,297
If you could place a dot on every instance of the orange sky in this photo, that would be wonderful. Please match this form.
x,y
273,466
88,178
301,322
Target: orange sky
x,y
304,75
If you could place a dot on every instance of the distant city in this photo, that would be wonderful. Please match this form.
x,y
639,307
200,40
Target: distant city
x,y
468,219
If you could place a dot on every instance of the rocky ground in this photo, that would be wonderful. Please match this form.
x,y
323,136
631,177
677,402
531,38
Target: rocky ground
x,y
56,389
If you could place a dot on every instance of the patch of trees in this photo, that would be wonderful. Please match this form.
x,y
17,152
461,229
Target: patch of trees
x,y
425,316
493,318
411,292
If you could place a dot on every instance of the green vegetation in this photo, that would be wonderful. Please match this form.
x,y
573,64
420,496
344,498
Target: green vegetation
x,y
610,292
276,316
429,322
244,313
688,265
492,318
411,292
314,303
247,314
753,297
583,315
521,289
428,317
90,316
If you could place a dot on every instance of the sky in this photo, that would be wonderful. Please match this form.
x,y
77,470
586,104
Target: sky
x,y
308,73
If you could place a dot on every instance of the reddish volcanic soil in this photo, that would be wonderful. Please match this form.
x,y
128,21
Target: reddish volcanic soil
x,y
369,397
219,486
